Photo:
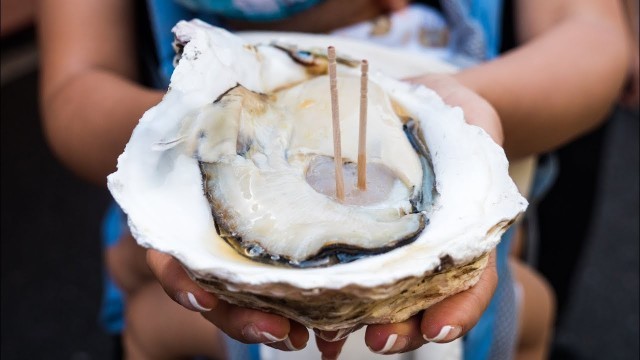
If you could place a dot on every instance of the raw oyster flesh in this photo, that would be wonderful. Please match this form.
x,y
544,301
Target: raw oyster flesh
x,y
232,174
268,167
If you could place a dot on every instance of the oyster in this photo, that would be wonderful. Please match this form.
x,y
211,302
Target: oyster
x,y
268,170
229,175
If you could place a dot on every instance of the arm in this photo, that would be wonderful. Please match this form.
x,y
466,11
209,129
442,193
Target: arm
x,y
564,78
630,97
90,102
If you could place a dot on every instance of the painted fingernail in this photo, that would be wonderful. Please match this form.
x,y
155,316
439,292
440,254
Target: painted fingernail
x,y
287,342
394,344
253,334
446,334
333,336
189,301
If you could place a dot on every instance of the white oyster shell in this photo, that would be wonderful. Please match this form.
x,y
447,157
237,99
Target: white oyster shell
x,y
160,188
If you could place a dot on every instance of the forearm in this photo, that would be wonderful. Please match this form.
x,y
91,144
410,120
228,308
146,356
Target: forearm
x,y
90,119
89,96
557,86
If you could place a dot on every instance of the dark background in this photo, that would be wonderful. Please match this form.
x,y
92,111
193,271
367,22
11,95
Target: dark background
x,y
51,274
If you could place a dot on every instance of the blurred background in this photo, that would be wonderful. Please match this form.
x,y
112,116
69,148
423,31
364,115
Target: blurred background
x,y
51,277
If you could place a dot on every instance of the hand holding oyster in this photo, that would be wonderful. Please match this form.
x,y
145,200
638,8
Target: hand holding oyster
x,y
228,175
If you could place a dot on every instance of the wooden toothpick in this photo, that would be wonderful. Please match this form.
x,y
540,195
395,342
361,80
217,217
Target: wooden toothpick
x,y
362,132
335,112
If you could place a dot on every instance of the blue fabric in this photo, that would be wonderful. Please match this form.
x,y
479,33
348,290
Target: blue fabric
x,y
111,315
479,342
546,175
163,15
488,13
475,28
252,10
470,16
240,351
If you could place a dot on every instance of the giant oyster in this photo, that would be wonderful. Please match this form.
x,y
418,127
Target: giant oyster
x,y
226,174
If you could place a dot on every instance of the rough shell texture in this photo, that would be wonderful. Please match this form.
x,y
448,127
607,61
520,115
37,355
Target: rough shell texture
x,y
160,188
352,304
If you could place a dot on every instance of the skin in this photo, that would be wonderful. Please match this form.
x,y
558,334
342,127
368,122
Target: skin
x,y
537,313
91,103
540,89
630,97
461,310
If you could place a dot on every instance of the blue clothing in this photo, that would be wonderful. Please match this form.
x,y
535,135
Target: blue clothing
x,y
111,315
253,10
475,33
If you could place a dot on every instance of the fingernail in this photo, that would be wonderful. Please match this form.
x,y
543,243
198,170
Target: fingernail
x,y
287,342
253,334
333,336
446,334
394,344
189,301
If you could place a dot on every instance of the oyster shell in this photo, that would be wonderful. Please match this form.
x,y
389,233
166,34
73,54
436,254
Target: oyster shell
x,y
452,177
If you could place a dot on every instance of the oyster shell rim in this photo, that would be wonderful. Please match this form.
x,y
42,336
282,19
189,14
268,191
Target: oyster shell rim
x,y
311,309
311,278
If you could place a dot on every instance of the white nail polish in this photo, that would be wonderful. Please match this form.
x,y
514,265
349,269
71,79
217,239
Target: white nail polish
x,y
339,334
394,344
447,333
271,338
391,340
188,300
287,342
254,335
195,304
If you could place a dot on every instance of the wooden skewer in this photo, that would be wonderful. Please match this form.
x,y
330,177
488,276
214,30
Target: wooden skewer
x,y
362,131
335,112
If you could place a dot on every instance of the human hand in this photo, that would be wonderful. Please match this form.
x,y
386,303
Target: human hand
x,y
454,316
442,322
245,325
477,110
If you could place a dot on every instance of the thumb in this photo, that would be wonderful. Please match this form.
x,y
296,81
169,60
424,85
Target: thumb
x,y
177,284
455,315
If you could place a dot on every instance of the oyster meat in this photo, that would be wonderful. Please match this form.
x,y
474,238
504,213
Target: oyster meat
x,y
262,156
232,173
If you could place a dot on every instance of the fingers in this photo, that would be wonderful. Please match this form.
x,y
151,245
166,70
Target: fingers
x,y
477,110
296,340
455,315
330,349
177,284
243,324
330,342
395,338
248,325
442,322
333,336
254,326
